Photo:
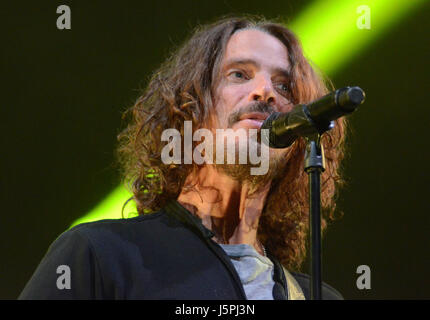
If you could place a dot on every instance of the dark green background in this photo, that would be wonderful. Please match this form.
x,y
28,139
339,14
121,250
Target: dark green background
x,y
62,97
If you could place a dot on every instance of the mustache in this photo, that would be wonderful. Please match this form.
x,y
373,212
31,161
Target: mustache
x,y
258,106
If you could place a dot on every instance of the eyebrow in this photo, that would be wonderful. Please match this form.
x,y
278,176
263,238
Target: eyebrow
x,y
234,62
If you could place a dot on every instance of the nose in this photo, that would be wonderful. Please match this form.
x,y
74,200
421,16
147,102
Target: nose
x,y
263,91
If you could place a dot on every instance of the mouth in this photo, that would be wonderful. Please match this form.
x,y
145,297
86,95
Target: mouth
x,y
253,119
257,116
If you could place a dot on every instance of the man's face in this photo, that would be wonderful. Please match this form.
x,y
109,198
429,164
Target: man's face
x,y
254,69
252,83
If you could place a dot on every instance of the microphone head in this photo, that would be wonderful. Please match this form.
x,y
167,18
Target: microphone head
x,y
349,98
356,95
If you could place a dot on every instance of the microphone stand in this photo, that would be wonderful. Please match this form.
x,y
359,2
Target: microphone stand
x,y
311,121
314,166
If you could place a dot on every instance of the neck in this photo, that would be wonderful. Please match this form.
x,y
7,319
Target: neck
x,y
225,206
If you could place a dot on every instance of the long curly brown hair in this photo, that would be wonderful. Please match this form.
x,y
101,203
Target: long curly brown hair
x,y
182,89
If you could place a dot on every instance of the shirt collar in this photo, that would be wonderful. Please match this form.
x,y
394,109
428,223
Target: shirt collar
x,y
174,208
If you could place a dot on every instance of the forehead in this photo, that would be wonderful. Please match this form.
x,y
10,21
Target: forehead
x,y
258,46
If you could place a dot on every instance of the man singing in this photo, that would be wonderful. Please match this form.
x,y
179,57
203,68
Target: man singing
x,y
206,230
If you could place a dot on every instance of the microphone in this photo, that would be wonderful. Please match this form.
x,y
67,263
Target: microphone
x,y
312,118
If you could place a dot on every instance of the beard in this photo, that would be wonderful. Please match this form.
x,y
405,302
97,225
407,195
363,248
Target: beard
x,y
242,172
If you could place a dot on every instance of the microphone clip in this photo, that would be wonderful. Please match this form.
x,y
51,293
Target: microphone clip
x,y
314,154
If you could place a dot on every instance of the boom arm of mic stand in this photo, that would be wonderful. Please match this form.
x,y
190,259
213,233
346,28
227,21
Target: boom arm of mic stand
x,y
314,166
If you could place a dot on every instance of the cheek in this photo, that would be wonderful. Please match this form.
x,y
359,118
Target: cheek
x,y
229,98
286,107
232,95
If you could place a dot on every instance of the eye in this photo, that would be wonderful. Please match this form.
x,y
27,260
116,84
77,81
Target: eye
x,y
283,87
238,75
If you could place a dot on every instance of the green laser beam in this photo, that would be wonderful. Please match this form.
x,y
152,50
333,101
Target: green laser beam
x,y
330,38
329,33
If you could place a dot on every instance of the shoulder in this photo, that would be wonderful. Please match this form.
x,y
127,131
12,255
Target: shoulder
x,y
93,254
104,239
117,224
328,292
116,229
